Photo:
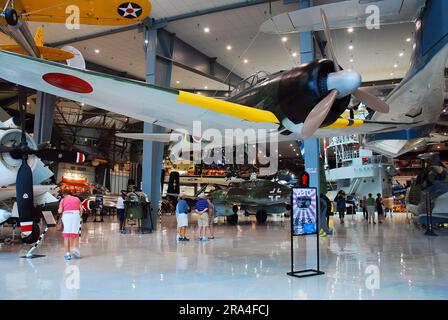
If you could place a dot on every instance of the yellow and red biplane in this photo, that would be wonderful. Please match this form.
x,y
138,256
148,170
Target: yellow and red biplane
x,y
91,12
14,14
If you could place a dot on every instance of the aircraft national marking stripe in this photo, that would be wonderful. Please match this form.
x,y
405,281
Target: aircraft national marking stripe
x,y
26,227
228,108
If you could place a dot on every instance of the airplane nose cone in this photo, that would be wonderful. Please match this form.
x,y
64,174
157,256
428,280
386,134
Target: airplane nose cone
x,y
345,82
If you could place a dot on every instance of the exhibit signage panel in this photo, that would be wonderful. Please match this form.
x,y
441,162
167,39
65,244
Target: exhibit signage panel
x,y
304,211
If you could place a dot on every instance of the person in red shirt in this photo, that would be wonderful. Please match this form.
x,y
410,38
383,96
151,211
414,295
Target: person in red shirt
x,y
71,209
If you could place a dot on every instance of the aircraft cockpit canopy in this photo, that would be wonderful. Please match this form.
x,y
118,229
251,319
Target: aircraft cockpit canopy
x,y
250,81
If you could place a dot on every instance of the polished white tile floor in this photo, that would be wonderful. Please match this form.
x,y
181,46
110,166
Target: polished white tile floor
x,y
249,261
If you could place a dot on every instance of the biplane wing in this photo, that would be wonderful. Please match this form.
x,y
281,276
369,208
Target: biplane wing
x,y
98,12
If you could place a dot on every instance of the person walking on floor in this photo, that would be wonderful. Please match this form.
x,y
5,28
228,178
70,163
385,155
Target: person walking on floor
x,y
211,218
121,211
182,218
201,210
71,209
330,209
341,206
379,207
370,203
324,230
364,208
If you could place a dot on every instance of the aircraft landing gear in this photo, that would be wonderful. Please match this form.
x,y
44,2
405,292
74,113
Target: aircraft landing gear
x,y
262,216
233,219
29,254
11,16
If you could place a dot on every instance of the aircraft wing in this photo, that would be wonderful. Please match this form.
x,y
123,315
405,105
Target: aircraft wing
x,y
152,104
343,14
155,137
52,54
98,12
173,109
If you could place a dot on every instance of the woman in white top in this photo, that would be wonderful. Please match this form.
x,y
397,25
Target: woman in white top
x,y
121,212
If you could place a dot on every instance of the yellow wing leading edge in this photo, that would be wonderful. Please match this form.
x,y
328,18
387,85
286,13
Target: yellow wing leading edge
x,y
228,108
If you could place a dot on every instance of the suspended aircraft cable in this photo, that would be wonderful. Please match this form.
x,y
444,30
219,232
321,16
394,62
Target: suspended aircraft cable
x,y
239,60
284,44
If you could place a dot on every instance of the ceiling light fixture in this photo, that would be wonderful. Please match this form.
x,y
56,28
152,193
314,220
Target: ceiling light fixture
x,y
206,29
246,61
350,47
408,40
395,65
229,48
294,54
350,30
401,54
178,82
284,39
97,51
351,60
205,87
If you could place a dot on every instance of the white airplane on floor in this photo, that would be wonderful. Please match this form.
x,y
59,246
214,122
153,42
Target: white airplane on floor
x,y
292,105
22,172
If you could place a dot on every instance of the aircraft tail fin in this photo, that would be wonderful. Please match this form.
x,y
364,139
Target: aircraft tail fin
x,y
39,38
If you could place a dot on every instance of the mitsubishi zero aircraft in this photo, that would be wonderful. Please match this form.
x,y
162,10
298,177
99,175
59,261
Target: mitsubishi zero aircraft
x,y
292,105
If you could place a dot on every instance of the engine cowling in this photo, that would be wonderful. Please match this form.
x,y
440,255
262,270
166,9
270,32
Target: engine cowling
x,y
292,95
302,88
8,165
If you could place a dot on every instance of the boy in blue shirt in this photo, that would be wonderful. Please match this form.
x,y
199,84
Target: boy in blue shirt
x,y
182,218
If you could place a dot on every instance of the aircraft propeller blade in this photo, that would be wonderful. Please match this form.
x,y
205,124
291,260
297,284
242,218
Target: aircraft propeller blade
x,y
59,155
24,183
329,40
318,115
371,101
4,149
24,194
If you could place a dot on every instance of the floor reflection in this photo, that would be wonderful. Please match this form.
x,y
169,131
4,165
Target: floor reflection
x,y
249,261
